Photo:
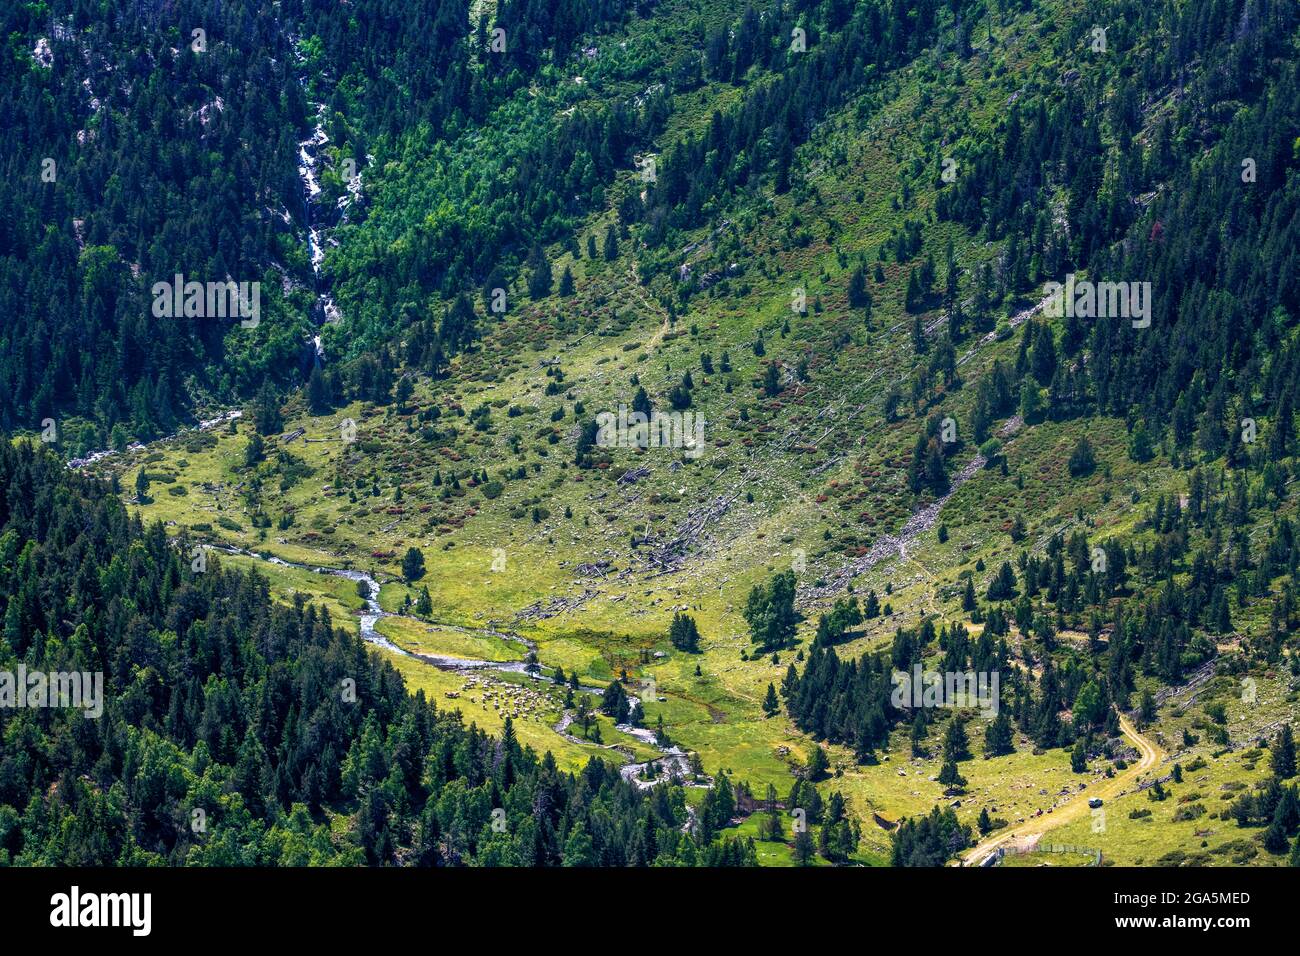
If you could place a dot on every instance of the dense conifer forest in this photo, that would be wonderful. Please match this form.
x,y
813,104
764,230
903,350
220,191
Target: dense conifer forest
x,y
266,723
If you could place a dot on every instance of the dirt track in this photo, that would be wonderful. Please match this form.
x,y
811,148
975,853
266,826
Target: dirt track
x,y
1027,834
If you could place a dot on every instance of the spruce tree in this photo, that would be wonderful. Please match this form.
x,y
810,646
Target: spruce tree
x,y
1283,758
956,745
998,736
950,777
818,763
1079,757
413,565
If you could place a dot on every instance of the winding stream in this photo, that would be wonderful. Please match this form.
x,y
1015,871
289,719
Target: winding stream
x,y
674,761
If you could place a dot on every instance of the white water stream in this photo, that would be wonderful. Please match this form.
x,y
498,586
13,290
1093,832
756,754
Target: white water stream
x,y
674,761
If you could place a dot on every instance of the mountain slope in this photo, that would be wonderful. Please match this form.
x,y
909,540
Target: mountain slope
x,y
838,258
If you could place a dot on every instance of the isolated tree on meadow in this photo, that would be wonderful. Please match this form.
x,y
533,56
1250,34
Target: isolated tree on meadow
x,y
684,634
679,397
859,298
998,736
1082,460
949,775
413,565
956,745
1079,757
771,381
771,706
